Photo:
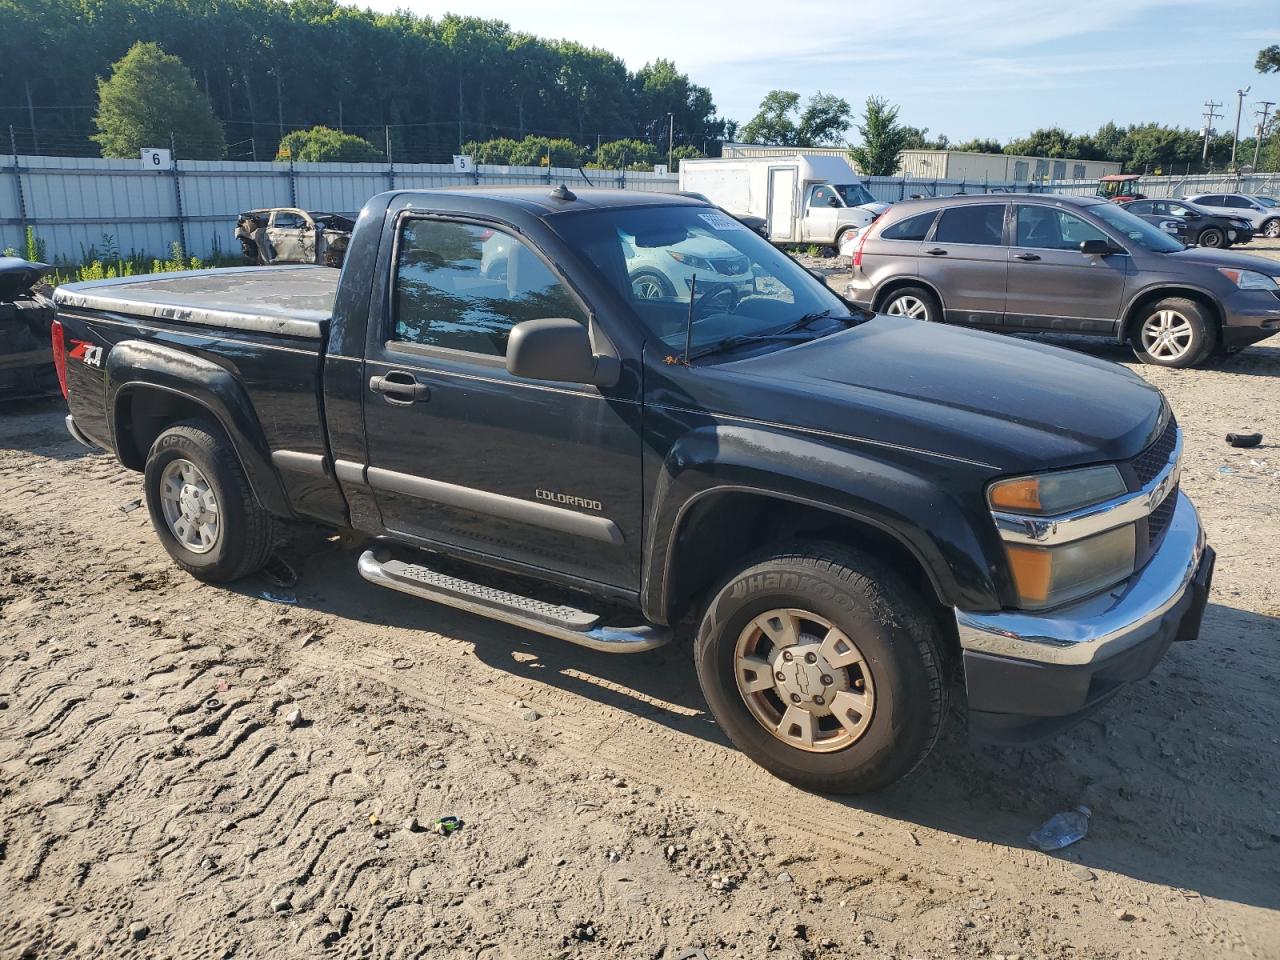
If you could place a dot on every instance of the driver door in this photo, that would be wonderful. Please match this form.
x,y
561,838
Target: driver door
x,y
463,453
821,212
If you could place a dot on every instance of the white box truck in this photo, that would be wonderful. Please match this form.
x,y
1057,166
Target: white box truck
x,y
804,199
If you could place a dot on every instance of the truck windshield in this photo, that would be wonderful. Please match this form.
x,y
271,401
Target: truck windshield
x,y
854,194
1135,228
670,263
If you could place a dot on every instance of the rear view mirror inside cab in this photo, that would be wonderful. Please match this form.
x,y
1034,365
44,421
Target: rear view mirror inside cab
x,y
663,237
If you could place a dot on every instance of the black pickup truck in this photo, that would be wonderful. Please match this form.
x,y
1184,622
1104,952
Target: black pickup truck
x,y
859,514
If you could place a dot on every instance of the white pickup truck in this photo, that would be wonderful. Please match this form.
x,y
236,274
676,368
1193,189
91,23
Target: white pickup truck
x,y
805,199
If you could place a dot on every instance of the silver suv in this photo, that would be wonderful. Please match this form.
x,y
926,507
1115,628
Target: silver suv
x,y
1043,262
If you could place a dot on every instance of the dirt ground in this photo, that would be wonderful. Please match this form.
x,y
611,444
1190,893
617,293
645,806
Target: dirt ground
x,y
156,802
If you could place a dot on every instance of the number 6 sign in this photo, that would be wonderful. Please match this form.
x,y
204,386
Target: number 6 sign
x,y
156,158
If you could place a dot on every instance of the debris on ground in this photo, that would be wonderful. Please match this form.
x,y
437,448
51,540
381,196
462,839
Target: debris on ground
x,y
1244,439
1062,829
445,825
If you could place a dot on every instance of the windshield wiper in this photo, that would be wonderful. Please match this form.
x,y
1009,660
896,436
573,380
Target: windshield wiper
x,y
791,331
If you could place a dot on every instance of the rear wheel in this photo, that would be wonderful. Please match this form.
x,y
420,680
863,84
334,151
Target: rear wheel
x,y
1271,229
1211,237
1174,332
914,302
201,506
818,665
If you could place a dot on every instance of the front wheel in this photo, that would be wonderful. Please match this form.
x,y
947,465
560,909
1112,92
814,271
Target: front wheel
x,y
914,302
1271,229
201,506
651,285
1174,332
819,666
1211,237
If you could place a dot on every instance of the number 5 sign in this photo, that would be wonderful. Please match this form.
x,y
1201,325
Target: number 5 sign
x,y
462,163
156,158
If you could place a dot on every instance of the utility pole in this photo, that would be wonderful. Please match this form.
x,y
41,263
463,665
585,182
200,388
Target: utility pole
x,y
671,138
1210,114
1235,140
1266,106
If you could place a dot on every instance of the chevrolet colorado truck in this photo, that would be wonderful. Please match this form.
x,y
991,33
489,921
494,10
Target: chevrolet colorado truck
x,y
858,515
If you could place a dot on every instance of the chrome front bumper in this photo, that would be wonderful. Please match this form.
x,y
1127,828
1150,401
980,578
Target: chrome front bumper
x,y
1105,625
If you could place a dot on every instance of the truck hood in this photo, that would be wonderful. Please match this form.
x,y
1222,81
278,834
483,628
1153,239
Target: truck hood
x,y
1003,402
876,208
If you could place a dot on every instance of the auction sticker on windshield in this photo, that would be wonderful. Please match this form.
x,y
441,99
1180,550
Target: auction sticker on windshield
x,y
721,221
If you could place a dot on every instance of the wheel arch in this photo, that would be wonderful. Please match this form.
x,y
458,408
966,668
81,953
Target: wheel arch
x,y
719,526
1145,298
151,387
897,283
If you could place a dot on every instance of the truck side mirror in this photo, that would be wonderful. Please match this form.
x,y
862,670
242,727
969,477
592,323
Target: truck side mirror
x,y
558,349
833,202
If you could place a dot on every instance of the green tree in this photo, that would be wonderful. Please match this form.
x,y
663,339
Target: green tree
x,y
629,154
918,139
824,120
781,121
979,145
883,139
1268,59
326,145
150,96
772,123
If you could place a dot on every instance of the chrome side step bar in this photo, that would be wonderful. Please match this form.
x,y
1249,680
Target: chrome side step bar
x,y
554,620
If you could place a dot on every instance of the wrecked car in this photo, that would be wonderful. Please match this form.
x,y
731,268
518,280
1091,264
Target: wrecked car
x,y
291,235
26,357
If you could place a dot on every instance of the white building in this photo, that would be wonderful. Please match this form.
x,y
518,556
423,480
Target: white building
x,y
997,167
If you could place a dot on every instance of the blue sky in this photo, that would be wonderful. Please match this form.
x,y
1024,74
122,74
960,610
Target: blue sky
x,y
966,68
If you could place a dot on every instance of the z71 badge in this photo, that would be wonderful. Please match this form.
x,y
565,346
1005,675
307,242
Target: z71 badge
x,y
87,352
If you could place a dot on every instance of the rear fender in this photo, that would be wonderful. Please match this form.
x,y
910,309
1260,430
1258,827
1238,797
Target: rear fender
x,y
134,365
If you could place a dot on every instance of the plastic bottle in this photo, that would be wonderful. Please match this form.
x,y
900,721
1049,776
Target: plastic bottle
x,y
1062,829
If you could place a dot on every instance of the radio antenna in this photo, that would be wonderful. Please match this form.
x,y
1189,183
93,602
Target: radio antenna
x,y
688,330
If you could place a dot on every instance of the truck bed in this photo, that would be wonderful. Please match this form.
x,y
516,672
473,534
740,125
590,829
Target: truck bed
x,y
292,301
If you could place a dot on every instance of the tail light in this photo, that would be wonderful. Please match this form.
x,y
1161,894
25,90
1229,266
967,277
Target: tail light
x,y
862,242
59,355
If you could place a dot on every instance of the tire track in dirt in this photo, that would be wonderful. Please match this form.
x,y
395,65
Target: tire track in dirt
x,y
128,813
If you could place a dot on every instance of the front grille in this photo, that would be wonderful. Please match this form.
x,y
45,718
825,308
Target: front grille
x,y
1159,519
730,266
1148,464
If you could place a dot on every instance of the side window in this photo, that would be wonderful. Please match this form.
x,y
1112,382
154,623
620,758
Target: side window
x,y
1047,228
1213,200
912,228
463,287
973,223
1144,207
822,196
287,221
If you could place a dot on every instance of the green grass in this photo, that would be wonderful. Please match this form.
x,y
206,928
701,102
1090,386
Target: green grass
x,y
104,261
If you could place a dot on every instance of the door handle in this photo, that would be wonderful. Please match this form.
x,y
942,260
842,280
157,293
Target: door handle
x,y
399,386
1026,256
936,252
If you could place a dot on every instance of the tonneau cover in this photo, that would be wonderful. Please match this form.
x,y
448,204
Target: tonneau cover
x,y
291,301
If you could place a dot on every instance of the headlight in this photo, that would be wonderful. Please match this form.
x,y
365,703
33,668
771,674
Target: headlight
x,y
1249,279
689,260
1048,576
1053,493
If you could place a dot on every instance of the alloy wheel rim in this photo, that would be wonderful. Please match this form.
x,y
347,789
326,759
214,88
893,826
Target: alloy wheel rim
x,y
1273,229
908,306
646,288
1167,335
804,680
190,506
